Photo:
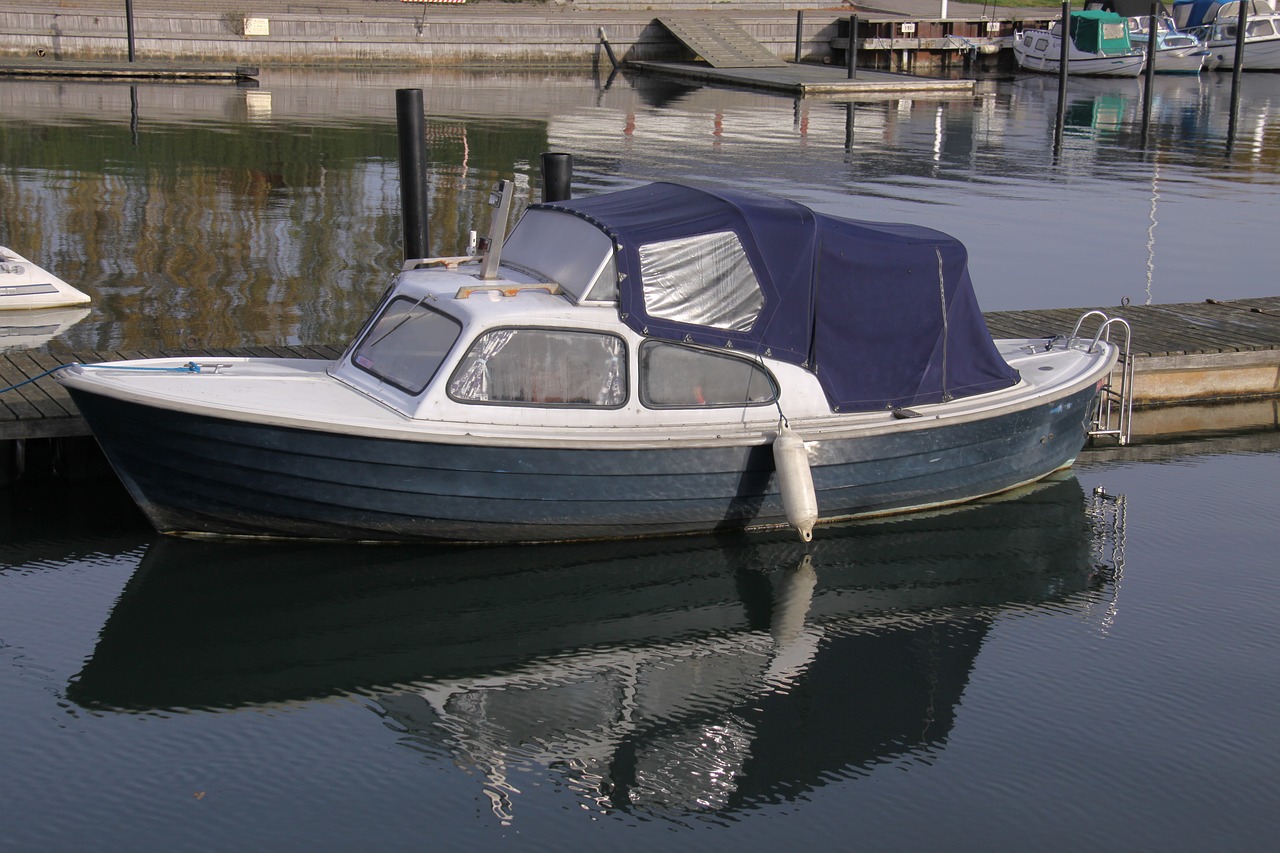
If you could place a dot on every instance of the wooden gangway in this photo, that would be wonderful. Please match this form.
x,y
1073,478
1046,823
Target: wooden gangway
x,y
718,42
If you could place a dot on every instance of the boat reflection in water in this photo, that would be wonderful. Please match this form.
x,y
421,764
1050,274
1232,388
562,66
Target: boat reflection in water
x,y
679,676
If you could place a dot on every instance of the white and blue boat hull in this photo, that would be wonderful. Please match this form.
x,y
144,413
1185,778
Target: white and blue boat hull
x,y
192,473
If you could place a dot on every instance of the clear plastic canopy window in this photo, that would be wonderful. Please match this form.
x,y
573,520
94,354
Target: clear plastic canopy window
x,y
704,280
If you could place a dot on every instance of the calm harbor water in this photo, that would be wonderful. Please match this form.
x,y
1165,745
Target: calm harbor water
x,y
1054,670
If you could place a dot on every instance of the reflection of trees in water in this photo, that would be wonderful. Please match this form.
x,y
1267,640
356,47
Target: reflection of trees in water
x,y
240,235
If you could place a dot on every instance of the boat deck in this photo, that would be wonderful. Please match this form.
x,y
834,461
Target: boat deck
x,y
1199,352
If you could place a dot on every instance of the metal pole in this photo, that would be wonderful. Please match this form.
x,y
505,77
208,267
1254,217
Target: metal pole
x,y
1242,23
608,48
128,16
557,177
1153,25
799,32
853,46
411,129
1063,59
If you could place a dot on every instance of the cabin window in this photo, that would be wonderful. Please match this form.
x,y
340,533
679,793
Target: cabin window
x,y
676,376
406,344
1041,45
1260,29
543,367
705,280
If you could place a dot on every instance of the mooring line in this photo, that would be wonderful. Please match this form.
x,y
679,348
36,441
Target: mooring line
x,y
189,367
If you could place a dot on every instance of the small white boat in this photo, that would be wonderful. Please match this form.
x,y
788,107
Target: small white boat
x,y
1217,23
23,285
655,361
1099,47
1176,52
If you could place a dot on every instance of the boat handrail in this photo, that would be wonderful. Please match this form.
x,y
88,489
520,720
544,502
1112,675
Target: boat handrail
x,y
1113,412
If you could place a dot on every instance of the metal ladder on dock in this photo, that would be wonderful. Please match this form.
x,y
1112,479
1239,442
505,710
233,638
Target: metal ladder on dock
x,y
1113,407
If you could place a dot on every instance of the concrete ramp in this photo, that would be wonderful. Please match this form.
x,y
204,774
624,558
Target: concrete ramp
x,y
719,43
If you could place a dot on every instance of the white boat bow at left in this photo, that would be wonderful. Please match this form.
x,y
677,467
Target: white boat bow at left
x,y
655,361
25,286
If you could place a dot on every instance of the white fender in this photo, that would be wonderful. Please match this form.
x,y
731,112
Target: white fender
x,y
795,482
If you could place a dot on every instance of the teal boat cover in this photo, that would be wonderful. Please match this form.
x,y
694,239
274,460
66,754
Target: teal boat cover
x,y
1102,32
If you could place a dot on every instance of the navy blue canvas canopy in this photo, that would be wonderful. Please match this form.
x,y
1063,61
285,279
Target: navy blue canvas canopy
x,y
884,314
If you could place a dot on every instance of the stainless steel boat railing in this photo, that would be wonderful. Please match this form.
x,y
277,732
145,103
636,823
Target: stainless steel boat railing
x,y
1113,407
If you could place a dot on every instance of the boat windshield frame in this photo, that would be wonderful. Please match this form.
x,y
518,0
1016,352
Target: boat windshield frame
x,y
408,350
567,250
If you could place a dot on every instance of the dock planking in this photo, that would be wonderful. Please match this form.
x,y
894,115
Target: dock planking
x,y
1183,353
805,80
111,70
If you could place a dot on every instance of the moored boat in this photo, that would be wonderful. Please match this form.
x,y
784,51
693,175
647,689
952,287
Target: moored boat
x,y
623,365
1217,24
1099,46
24,285
1176,52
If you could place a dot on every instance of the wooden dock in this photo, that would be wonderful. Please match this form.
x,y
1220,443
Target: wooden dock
x,y
106,70
1186,353
806,80
1198,367
718,52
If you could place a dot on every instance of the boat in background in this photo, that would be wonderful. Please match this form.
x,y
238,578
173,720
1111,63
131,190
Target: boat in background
x,y
661,360
1099,46
1217,24
1177,52
24,285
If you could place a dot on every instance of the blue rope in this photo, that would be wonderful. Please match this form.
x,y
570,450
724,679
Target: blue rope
x,y
189,367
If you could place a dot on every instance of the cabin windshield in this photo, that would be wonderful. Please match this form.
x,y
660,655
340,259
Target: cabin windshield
x,y
565,249
406,344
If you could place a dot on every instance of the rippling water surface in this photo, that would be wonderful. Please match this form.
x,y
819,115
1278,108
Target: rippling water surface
x,y
1055,669
223,216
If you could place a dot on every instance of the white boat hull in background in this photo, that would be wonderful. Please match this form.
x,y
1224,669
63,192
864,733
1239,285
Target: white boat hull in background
x,y
24,285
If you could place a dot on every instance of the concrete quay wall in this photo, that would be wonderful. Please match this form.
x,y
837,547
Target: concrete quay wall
x,y
380,38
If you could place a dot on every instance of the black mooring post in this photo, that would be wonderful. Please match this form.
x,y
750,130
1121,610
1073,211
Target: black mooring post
x,y
413,172
1242,27
853,46
1153,29
557,176
128,19
1063,60
799,32
1064,53
1242,23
